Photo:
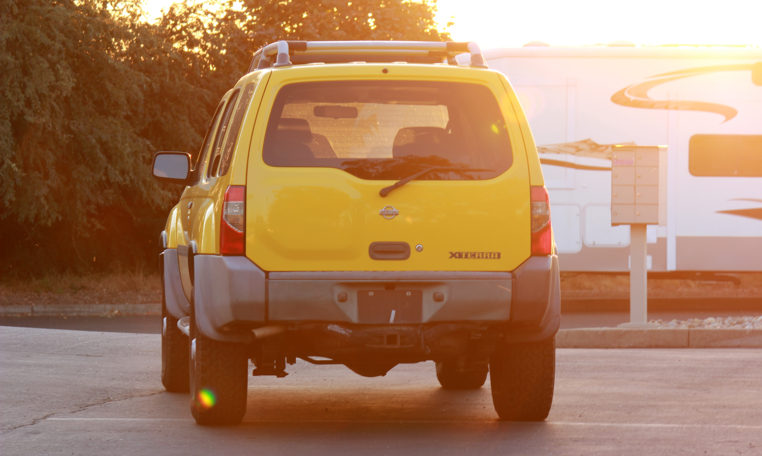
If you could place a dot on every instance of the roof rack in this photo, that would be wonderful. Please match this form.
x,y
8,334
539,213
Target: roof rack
x,y
284,53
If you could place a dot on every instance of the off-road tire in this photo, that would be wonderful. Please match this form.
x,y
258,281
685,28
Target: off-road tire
x,y
453,376
522,378
218,380
174,353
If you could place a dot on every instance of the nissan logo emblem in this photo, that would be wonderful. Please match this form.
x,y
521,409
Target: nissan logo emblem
x,y
389,212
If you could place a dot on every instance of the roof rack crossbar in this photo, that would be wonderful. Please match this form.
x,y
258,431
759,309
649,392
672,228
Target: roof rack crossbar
x,y
279,53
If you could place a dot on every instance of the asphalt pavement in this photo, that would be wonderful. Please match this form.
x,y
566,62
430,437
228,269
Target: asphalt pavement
x,y
92,393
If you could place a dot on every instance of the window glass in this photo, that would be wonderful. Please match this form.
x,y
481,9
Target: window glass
x,y
235,126
198,163
221,130
726,155
388,129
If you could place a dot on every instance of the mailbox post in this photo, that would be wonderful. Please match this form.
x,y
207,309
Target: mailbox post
x,y
638,199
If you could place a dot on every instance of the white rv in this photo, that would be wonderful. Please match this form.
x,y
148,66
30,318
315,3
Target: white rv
x,y
704,104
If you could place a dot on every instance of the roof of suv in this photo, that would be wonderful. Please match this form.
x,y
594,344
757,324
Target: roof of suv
x,y
286,53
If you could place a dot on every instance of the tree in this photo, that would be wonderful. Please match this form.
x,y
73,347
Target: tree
x,y
74,181
259,22
89,92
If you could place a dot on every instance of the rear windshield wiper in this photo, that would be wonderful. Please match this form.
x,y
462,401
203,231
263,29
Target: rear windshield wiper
x,y
386,190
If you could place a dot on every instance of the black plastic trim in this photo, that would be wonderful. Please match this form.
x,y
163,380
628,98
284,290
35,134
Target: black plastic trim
x,y
389,250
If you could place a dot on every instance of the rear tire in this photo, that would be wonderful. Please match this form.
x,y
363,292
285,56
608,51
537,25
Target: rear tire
x,y
453,376
218,380
174,353
523,378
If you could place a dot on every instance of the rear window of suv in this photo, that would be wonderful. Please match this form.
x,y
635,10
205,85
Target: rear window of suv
x,y
388,129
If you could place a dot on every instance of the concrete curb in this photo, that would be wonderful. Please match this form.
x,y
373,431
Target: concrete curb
x,y
661,304
80,310
566,338
658,338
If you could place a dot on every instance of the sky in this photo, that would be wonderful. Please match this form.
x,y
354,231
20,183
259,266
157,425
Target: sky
x,y
580,22
513,23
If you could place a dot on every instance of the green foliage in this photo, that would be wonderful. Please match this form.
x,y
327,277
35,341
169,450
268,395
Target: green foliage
x,y
75,154
260,22
89,91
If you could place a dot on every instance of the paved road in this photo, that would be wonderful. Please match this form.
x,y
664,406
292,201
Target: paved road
x,y
75,392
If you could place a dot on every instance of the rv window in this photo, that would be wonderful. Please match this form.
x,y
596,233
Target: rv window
x,y
726,155
756,73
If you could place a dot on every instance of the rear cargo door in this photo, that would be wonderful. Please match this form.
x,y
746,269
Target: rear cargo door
x,y
393,174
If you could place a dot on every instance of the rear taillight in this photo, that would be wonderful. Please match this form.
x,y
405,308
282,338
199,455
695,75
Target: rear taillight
x,y
540,208
232,229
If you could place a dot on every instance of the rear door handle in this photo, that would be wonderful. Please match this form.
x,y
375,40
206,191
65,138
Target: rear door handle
x,y
389,250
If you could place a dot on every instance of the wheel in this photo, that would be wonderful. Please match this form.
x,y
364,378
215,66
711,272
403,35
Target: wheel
x,y
218,380
174,353
461,376
522,378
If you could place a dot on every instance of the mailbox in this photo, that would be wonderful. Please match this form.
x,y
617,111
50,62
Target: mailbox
x,y
638,199
638,185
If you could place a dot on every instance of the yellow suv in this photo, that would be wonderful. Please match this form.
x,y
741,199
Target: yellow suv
x,y
367,204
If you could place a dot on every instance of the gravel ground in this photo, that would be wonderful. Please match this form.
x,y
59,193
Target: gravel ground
x,y
713,323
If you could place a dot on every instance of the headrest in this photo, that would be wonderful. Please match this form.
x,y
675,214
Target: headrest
x,y
418,140
294,129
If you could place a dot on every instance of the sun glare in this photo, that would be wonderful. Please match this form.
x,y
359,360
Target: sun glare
x,y
580,22
500,23
155,8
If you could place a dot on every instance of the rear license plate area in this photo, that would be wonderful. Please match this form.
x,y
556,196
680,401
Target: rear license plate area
x,y
389,306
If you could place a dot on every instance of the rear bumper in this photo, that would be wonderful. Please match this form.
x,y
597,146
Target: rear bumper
x,y
232,292
334,296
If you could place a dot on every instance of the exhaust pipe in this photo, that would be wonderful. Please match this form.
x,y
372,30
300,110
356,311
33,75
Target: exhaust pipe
x,y
267,331
263,332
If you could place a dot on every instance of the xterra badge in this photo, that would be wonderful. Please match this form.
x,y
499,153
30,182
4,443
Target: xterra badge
x,y
474,255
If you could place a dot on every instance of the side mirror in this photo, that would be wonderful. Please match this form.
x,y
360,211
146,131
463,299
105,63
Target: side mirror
x,y
756,73
171,167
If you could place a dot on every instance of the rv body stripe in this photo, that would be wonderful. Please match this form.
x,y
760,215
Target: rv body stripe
x,y
752,213
636,95
565,164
